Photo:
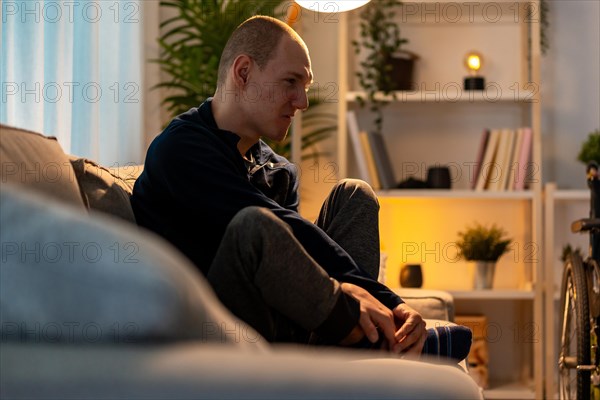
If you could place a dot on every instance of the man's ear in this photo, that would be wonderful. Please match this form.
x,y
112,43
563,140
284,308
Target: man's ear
x,y
241,68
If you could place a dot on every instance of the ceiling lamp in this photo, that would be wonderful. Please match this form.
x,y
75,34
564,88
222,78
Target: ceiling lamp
x,y
329,6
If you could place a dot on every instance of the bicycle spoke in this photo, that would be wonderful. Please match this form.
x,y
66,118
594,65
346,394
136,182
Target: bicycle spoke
x,y
567,361
574,382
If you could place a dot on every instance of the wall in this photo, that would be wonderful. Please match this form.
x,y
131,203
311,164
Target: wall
x,y
157,114
154,112
320,34
570,88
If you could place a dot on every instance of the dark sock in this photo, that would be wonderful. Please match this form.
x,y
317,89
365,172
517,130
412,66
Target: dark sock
x,y
452,342
448,341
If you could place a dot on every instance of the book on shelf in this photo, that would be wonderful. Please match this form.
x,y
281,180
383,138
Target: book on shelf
x,y
496,178
480,153
369,157
505,161
523,160
514,165
383,164
487,167
359,154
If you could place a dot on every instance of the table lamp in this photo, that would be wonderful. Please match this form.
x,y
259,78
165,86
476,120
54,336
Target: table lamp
x,y
473,62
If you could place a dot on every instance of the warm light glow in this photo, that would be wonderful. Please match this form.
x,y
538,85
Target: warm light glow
x,y
473,61
411,233
293,15
329,6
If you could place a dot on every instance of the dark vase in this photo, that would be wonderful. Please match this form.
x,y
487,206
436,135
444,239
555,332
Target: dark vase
x,y
401,71
411,276
439,178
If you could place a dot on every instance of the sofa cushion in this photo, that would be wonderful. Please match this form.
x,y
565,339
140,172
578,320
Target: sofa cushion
x,y
102,190
77,278
128,173
430,303
38,162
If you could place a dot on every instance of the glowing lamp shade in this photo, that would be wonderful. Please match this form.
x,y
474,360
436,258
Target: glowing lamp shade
x,y
474,62
329,6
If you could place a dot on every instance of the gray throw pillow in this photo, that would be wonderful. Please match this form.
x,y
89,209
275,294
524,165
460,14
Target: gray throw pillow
x,y
38,163
74,278
102,190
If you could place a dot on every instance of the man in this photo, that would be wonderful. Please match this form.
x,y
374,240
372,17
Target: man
x,y
219,194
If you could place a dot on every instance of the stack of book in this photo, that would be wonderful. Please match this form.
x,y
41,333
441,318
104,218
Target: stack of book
x,y
503,160
372,159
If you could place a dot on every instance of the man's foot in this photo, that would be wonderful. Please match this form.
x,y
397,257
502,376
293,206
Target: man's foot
x,y
448,341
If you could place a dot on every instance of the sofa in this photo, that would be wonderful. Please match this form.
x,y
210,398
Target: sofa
x,y
93,306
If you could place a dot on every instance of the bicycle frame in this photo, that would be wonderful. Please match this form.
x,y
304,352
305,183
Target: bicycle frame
x,y
592,273
580,301
593,280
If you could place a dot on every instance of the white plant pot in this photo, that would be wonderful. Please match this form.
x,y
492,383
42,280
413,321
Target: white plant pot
x,y
483,274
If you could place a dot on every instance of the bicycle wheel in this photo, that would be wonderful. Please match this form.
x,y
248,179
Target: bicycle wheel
x,y
575,334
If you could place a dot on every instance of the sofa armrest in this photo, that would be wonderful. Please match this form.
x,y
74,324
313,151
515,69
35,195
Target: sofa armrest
x,y
208,371
432,304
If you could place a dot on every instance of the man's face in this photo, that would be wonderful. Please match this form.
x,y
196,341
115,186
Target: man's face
x,y
275,93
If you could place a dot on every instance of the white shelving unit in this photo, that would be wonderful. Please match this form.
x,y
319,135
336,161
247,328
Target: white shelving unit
x,y
456,194
452,94
497,294
441,123
509,390
561,207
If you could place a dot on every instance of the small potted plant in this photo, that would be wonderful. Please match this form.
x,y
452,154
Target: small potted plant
x,y
483,246
590,149
386,67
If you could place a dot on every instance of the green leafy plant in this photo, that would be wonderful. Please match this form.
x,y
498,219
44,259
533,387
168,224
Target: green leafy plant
x,y
590,149
540,14
545,24
190,49
482,243
380,39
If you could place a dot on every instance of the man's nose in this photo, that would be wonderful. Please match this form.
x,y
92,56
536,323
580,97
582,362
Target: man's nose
x,y
300,101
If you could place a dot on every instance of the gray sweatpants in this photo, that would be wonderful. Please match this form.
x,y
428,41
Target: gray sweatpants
x,y
267,279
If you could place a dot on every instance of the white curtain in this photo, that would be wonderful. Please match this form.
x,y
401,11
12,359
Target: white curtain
x,y
73,69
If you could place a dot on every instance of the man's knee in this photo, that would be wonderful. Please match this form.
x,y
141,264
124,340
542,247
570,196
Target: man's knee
x,y
357,188
252,213
254,219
